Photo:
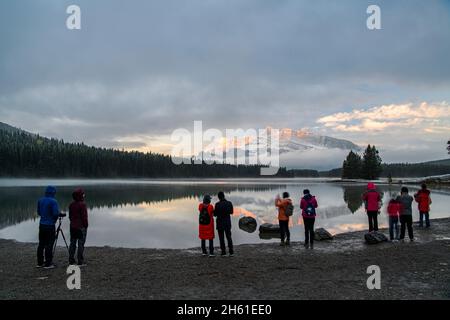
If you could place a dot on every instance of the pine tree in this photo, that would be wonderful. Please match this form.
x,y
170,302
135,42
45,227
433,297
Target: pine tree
x,y
371,167
351,168
448,146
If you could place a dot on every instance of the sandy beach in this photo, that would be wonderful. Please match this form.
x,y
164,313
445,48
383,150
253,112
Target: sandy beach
x,y
333,270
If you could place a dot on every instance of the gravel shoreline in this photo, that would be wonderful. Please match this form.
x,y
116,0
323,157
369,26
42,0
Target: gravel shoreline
x,y
333,270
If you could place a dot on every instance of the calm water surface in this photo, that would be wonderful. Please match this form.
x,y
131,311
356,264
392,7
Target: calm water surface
x,y
163,214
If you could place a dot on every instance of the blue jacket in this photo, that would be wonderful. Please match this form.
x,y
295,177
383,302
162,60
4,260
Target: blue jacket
x,y
47,207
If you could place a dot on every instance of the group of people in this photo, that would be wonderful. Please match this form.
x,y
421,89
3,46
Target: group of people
x,y
399,209
222,210
308,205
49,213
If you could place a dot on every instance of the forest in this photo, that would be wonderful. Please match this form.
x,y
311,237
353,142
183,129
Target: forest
x,y
23,154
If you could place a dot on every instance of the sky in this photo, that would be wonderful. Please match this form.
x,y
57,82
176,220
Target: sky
x,y
138,70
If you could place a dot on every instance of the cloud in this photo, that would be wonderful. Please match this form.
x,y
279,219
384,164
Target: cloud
x,y
388,116
138,70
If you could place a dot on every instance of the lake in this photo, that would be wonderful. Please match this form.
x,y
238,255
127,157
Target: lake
x,y
163,213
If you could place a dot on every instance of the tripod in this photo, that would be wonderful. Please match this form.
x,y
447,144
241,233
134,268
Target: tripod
x,y
58,231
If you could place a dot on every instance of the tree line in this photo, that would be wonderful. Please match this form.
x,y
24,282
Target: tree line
x,y
23,154
370,166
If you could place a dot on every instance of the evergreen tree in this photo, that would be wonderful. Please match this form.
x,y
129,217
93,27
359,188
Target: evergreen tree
x,y
371,167
448,146
351,168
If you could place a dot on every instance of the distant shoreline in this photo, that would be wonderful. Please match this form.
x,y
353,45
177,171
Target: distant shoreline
x,y
30,182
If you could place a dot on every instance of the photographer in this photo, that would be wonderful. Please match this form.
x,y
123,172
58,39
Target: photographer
x,y
78,226
48,210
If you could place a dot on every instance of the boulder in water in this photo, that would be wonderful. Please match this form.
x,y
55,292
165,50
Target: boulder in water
x,y
269,235
269,228
248,224
375,237
321,234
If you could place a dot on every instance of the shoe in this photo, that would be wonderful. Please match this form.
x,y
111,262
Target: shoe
x,y
212,255
288,243
231,254
38,266
204,254
306,245
223,254
50,266
311,246
411,240
282,244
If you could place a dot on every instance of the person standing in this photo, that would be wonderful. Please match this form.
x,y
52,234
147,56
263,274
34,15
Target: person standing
x,y
372,200
223,211
393,210
48,210
78,216
406,201
423,199
206,225
284,206
308,204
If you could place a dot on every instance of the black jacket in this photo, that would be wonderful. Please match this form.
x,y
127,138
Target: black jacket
x,y
223,210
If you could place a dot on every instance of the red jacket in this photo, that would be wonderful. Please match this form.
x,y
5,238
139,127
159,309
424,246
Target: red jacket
x,y
206,232
422,197
78,211
371,199
394,208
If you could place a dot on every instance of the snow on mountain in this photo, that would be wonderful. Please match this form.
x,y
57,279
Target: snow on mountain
x,y
298,149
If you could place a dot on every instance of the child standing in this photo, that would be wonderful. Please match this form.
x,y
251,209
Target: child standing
x,y
393,209
206,225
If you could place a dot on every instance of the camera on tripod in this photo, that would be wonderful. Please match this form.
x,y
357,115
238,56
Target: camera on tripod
x,y
59,231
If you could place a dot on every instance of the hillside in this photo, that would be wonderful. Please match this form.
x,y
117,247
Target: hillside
x,y
443,162
23,154
8,128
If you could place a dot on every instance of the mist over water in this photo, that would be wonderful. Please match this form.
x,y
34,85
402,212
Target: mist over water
x,y
163,214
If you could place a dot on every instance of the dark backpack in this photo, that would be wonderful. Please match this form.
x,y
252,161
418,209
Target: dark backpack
x,y
289,211
310,210
204,217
